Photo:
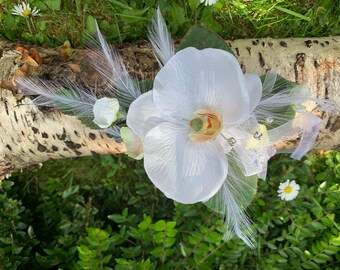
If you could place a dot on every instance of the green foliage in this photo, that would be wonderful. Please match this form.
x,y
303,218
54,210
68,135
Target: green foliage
x,y
201,38
112,217
127,20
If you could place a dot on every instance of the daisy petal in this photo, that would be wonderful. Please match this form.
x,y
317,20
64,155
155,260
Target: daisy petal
x,y
204,79
184,171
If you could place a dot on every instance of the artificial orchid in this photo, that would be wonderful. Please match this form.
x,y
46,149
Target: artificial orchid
x,y
206,130
198,96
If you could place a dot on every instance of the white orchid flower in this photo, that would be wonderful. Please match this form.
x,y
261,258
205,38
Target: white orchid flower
x,y
105,111
184,122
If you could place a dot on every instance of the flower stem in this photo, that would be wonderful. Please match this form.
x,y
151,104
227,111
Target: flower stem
x,y
34,28
29,26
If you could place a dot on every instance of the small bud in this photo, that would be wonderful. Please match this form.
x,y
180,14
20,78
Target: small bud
x,y
105,111
132,142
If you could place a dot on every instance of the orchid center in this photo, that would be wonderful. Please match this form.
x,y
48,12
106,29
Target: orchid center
x,y
288,189
26,13
205,126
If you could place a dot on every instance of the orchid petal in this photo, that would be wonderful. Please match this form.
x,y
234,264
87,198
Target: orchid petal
x,y
203,79
184,171
143,115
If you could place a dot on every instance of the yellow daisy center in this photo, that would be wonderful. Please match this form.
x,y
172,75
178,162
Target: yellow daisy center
x,y
205,126
288,189
26,13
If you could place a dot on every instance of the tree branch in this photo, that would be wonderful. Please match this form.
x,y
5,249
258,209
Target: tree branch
x,y
30,135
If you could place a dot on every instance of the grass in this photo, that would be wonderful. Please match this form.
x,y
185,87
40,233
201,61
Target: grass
x,y
127,20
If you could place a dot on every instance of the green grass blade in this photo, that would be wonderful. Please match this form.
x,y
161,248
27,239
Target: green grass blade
x,y
295,14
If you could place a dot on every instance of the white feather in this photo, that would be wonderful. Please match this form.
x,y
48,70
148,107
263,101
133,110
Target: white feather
x,y
74,100
279,94
160,39
230,202
115,132
110,66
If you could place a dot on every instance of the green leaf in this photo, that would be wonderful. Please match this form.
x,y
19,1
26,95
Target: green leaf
x,y
91,24
201,38
53,4
271,245
317,225
297,251
117,218
322,258
194,4
171,232
169,242
157,252
310,265
170,224
283,254
120,4
159,226
41,26
178,14
159,237
213,237
125,212
84,250
16,250
70,191
143,225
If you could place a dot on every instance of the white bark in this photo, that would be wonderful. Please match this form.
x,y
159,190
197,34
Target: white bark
x,y
311,61
29,135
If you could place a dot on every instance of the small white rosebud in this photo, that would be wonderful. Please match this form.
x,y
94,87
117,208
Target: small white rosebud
x,y
132,142
105,111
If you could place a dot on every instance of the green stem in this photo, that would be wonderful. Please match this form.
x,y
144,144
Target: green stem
x,y
29,26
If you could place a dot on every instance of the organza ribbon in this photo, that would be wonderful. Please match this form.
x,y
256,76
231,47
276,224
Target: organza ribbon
x,y
306,124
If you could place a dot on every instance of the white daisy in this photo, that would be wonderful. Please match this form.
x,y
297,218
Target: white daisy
x,y
25,10
208,2
288,190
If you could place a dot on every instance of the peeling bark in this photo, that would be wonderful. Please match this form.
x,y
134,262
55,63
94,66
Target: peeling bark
x,y
29,135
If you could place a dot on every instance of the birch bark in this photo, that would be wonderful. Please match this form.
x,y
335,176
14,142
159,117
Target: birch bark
x,y
31,135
